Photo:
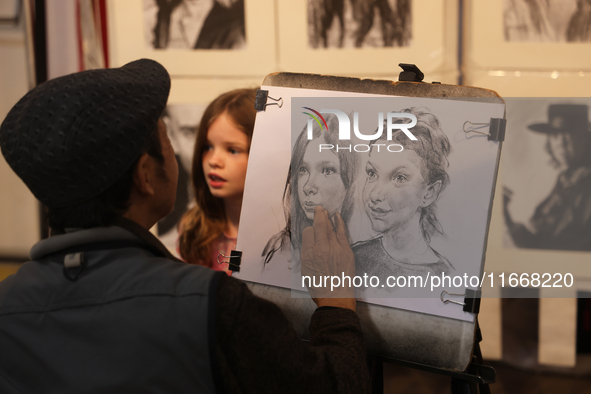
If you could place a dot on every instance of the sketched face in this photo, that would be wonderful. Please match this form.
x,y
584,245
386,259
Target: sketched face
x,y
394,190
560,144
567,148
319,180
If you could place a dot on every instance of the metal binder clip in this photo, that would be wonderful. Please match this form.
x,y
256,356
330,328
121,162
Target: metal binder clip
x,y
473,130
260,102
452,301
226,262
496,128
471,300
234,255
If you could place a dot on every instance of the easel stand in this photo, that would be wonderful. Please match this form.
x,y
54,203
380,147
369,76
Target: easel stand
x,y
448,350
474,380
477,377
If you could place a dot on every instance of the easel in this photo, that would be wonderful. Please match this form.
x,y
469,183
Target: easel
x,y
474,380
477,377
433,343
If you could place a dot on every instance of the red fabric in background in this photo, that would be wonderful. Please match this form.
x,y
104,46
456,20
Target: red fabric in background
x,y
101,20
81,65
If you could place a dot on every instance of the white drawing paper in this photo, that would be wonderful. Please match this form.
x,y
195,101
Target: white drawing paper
x,y
462,208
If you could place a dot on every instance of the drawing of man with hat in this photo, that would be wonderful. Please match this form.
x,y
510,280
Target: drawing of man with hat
x,y
562,221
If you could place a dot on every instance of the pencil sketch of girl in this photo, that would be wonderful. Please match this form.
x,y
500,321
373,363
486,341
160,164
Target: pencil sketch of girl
x,y
399,196
315,178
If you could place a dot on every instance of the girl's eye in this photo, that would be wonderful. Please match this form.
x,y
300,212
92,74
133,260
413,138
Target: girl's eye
x,y
234,151
207,148
328,170
302,170
371,173
400,178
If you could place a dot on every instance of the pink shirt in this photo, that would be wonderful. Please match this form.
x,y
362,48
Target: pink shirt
x,y
223,245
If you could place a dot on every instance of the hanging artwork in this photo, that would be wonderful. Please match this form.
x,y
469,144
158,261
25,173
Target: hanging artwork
x,y
359,23
527,35
547,20
195,38
547,195
182,122
330,37
9,12
186,24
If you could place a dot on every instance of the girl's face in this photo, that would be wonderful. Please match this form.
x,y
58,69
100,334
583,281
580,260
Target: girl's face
x,y
394,190
224,158
319,180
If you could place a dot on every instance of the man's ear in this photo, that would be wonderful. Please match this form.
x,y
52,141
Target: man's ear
x,y
143,175
431,193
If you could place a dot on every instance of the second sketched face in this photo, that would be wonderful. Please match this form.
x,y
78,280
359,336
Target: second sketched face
x,y
394,190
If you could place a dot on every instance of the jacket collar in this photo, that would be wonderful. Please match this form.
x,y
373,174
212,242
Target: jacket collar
x,y
122,230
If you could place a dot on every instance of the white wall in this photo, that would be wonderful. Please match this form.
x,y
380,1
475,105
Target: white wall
x,y
19,219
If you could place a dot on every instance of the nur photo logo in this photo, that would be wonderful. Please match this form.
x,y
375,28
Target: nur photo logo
x,y
344,130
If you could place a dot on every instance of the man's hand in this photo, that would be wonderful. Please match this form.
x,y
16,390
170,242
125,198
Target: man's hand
x,y
326,253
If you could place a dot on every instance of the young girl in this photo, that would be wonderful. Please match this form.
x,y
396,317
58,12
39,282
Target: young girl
x,y
218,173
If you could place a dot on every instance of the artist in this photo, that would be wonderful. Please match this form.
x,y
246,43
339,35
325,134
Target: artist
x,y
103,307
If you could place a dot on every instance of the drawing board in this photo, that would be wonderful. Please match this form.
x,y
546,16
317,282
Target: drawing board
x,y
401,325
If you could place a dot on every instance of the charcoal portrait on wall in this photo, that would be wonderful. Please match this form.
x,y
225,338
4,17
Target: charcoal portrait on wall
x,y
182,121
194,24
359,23
547,20
547,200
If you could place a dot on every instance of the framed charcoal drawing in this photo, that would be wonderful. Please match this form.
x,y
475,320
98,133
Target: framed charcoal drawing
x,y
9,12
361,38
528,35
182,122
436,194
541,225
216,37
548,194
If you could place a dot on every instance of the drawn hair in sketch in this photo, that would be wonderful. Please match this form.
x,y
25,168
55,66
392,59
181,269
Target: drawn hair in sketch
x,y
295,215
